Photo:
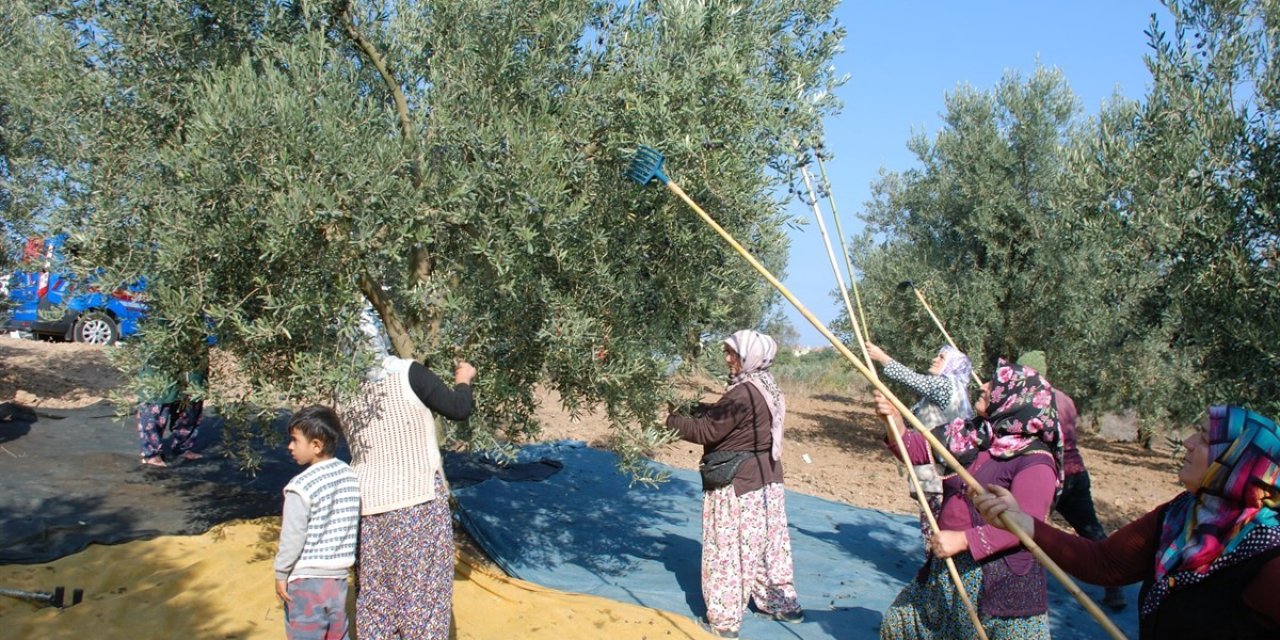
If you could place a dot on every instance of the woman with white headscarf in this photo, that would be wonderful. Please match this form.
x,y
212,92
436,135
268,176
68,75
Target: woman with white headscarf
x,y
746,550
405,568
944,397
942,390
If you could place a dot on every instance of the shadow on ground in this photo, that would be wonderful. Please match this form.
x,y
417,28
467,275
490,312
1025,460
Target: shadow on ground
x,y
72,478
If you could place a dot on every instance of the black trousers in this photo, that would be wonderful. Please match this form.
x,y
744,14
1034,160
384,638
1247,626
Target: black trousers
x,y
1075,504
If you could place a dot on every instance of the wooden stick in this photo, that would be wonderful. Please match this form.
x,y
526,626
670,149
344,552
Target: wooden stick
x,y
831,256
889,422
937,446
848,263
920,296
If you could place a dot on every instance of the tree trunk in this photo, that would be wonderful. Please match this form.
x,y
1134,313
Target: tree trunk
x,y
401,342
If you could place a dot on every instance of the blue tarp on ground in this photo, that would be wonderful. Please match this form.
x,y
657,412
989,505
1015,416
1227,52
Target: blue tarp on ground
x,y
584,530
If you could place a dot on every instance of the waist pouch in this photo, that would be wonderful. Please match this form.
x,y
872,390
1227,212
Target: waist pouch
x,y
719,467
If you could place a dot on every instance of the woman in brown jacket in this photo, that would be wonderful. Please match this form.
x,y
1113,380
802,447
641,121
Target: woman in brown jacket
x,y
746,550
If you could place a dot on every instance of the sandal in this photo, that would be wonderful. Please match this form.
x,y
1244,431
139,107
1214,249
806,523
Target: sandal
x,y
154,461
191,456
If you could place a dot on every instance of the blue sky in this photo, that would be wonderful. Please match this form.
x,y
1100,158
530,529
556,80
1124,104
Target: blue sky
x,y
903,57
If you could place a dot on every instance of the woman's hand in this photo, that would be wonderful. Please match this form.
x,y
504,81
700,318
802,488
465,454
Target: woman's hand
x,y
945,544
997,501
463,373
884,407
890,413
877,353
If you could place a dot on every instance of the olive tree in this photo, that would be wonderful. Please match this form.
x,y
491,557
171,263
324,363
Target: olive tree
x,y
272,168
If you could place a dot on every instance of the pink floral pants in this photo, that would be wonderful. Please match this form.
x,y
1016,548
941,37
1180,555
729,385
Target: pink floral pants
x,y
746,554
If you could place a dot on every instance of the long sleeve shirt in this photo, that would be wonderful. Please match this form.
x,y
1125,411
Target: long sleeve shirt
x,y
1033,486
1129,556
318,531
1072,462
739,421
935,389
293,533
454,404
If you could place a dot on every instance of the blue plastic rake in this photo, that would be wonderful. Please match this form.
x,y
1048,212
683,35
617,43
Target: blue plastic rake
x,y
646,166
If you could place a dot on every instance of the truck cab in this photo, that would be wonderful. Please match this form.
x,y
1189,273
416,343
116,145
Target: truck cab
x,y
47,300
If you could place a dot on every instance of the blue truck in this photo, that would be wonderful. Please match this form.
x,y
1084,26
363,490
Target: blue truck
x,y
47,300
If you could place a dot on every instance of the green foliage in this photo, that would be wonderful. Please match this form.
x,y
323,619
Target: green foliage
x,y
273,167
39,145
1137,248
824,371
978,228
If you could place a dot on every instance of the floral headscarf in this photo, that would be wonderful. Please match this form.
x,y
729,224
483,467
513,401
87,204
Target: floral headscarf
x,y
1239,493
1022,417
756,351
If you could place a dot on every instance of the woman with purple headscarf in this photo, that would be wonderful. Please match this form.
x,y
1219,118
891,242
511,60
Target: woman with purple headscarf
x,y
942,391
746,551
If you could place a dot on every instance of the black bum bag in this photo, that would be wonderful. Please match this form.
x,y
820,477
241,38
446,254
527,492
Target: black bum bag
x,y
719,467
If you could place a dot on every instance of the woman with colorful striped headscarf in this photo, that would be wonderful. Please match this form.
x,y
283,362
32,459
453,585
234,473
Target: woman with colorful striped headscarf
x,y
1209,559
746,550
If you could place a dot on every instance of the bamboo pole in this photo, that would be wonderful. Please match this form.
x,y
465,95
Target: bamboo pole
x,y
889,422
848,263
936,321
937,446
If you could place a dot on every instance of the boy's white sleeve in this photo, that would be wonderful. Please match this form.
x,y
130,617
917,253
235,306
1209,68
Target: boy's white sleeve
x,y
293,533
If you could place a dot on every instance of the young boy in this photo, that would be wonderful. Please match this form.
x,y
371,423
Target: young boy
x,y
318,531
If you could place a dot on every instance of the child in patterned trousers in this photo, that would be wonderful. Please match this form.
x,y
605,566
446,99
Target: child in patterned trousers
x,y
318,533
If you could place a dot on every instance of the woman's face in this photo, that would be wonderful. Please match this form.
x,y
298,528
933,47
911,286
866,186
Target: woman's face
x,y
1196,463
731,358
939,361
984,400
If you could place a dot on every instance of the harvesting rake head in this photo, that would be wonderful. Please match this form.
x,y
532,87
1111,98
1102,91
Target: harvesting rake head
x,y
905,285
647,165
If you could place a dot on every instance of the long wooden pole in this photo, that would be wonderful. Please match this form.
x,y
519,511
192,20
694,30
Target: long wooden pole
x,y
936,321
848,263
889,422
937,446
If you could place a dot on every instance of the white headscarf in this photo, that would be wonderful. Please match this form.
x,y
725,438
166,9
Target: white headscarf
x,y
375,341
756,351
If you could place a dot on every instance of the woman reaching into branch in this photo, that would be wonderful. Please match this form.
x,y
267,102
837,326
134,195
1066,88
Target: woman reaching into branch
x,y
942,390
746,550
1209,559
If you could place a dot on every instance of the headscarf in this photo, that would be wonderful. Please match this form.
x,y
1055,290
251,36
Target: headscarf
x,y
1022,417
374,339
1238,494
957,368
756,351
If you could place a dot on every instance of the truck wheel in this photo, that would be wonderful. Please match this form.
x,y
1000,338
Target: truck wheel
x,y
96,327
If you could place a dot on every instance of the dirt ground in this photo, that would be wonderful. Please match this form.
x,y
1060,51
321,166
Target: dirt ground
x,y
833,442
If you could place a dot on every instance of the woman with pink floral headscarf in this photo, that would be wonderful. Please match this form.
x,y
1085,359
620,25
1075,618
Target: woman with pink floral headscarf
x,y
746,550
1014,442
